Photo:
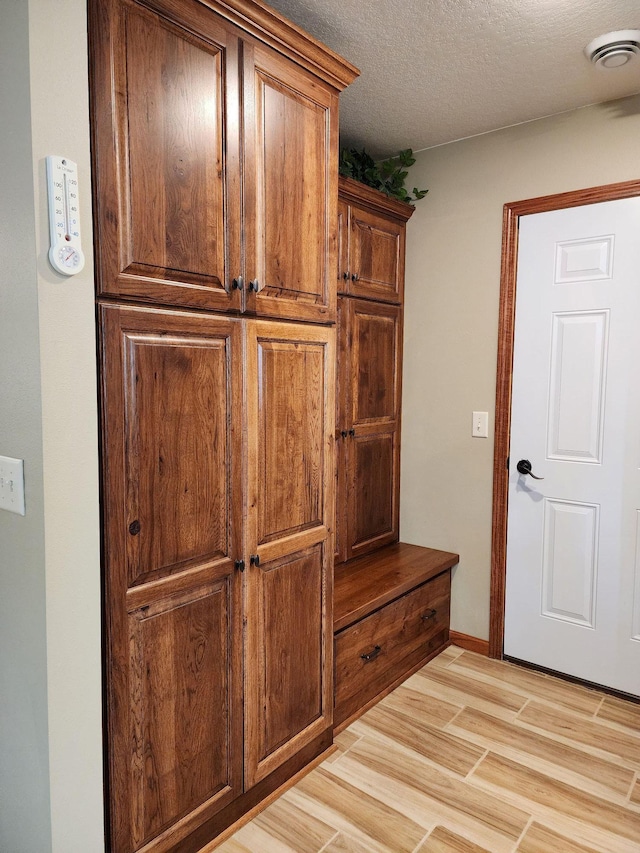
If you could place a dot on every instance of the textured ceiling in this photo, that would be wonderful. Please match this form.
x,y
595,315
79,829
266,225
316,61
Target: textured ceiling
x,y
437,70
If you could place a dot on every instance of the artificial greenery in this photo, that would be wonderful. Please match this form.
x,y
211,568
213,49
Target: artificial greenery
x,y
388,176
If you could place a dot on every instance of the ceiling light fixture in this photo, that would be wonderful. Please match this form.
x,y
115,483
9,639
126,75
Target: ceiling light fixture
x,y
613,50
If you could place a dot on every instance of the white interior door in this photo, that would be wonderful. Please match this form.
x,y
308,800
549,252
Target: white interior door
x,y
573,538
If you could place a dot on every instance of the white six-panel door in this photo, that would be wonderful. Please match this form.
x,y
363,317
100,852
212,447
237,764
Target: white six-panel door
x,y
573,539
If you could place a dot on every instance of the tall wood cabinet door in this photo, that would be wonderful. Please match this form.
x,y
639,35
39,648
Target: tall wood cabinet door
x,y
290,186
165,118
172,467
373,445
376,256
289,630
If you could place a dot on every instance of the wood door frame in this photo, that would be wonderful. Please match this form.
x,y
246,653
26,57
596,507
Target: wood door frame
x,y
512,212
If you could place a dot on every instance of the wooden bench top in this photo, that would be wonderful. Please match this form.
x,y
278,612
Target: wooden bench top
x,y
371,581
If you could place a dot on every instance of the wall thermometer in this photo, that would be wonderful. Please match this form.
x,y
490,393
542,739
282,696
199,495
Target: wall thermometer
x,y
65,253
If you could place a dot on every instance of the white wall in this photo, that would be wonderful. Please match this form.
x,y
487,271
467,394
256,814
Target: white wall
x,y
451,318
50,644
25,824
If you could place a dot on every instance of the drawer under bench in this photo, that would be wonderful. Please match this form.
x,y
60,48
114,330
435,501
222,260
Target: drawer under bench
x,y
384,636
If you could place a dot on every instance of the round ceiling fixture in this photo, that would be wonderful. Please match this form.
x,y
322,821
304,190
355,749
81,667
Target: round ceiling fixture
x,y
613,50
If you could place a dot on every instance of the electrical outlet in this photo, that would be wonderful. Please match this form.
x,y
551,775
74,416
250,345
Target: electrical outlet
x,y
12,484
480,427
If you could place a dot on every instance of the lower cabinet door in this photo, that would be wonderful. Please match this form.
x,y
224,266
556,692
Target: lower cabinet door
x,y
289,630
172,469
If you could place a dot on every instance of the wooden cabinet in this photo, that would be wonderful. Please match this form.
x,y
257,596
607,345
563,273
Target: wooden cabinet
x,y
214,158
217,571
214,140
371,243
372,234
368,425
391,616
391,599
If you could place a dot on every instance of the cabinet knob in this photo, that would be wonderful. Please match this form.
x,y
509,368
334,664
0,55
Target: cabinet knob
x,y
254,560
254,285
352,432
355,276
237,283
345,275
134,527
239,565
429,615
343,433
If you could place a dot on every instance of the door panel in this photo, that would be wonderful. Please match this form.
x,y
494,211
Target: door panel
x,y
168,194
179,698
374,504
377,248
287,677
290,408
375,342
572,576
290,400
178,446
371,351
290,182
172,595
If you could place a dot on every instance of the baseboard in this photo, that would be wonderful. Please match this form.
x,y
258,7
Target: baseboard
x,y
471,644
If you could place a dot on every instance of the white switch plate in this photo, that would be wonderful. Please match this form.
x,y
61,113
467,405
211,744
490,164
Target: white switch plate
x,y
480,427
12,484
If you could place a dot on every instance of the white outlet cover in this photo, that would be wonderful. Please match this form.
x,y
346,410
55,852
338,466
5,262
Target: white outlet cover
x,y
12,484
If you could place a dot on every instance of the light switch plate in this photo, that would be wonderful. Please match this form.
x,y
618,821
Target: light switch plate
x,y
480,427
12,484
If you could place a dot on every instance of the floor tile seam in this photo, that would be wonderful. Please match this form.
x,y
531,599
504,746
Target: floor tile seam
x,y
330,814
549,816
588,748
445,812
466,692
523,833
415,755
530,728
346,751
330,841
552,769
423,839
618,727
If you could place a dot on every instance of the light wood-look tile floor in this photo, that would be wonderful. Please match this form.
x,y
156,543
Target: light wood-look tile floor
x,y
469,755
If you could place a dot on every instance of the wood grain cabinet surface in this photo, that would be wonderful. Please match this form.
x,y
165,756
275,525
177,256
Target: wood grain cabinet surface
x,y
214,141
218,671
371,243
214,158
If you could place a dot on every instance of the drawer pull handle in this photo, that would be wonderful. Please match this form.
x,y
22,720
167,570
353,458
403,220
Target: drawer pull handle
x,y
371,655
429,615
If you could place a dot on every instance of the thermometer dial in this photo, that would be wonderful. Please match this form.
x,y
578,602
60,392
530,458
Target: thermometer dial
x,y
65,253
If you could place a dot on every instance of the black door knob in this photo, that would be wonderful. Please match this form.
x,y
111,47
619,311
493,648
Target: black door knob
x,y
524,467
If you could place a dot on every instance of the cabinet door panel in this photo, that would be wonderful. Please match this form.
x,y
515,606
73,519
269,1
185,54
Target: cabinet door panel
x,y
171,383
290,185
180,694
290,400
376,255
167,193
370,372
290,372
374,502
375,344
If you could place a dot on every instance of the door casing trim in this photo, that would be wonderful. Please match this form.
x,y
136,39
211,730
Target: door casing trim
x,y
512,212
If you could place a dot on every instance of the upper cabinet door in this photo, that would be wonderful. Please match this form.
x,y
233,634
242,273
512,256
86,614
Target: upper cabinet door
x,y
165,111
376,258
290,188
